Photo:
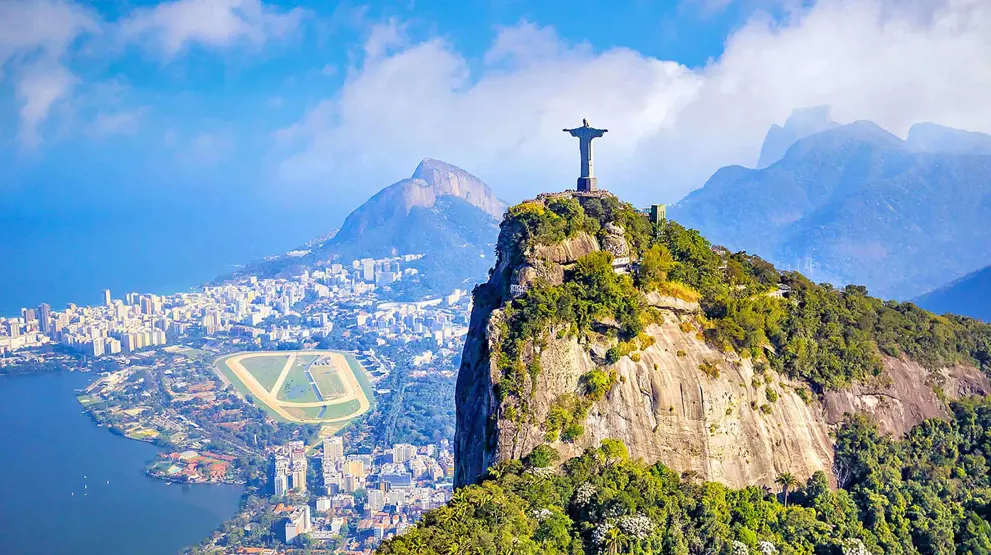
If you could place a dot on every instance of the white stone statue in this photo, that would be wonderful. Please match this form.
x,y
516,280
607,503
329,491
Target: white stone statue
x,y
585,134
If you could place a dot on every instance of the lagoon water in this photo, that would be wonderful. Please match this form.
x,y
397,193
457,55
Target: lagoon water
x,y
68,486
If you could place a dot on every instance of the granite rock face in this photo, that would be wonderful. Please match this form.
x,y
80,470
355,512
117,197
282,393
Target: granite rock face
x,y
679,401
432,180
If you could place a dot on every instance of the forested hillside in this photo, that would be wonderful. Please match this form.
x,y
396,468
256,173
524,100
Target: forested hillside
x,y
928,493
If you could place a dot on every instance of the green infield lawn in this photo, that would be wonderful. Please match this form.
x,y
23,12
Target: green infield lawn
x,y
297,388
328,380
265,368
305,413
343,409
362,376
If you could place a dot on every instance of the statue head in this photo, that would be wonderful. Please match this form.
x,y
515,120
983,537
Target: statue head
x,y
584,122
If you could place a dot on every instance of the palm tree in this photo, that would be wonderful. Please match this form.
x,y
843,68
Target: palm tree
x,y
787,481
614,541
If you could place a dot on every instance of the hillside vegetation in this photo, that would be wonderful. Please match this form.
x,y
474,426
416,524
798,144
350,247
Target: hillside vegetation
x,y
928,493
826,336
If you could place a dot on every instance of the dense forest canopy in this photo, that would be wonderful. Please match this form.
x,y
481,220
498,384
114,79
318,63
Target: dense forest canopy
x,y
929,493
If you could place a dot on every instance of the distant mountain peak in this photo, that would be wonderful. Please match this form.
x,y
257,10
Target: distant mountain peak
x,y
935,138
449,180
432,182
855,204
800,124
864,130
810,119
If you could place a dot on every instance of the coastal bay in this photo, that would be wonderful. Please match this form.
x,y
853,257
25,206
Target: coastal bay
x,y
70,486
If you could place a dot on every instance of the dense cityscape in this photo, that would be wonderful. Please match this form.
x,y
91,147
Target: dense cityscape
x,y
363,497
269,310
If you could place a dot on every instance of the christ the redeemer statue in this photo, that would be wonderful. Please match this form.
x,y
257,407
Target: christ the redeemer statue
x,y
585,134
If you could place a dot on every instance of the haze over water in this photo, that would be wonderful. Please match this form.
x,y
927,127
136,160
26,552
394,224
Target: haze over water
x,y
51,450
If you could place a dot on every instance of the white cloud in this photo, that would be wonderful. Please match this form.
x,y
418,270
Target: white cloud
x,y
116,123
38,89
670,126
207,148
40,28
384,38
212,23
35,37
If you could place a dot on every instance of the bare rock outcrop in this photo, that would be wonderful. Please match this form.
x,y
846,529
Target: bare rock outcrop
x,y
906,396
665,409
568,251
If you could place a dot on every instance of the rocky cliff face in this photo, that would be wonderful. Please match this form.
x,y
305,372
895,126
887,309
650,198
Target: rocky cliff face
x,y
678,400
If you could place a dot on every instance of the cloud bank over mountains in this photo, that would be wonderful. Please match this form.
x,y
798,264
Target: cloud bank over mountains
x,y
404,96
670,126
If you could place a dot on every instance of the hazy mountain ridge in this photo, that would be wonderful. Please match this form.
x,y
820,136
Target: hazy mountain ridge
x,y
856,204
802,123
969,295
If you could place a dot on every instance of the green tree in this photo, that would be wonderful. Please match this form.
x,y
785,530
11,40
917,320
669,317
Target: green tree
x,y
787,481
655,264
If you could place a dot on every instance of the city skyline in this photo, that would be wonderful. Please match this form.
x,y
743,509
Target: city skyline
x,y
146,320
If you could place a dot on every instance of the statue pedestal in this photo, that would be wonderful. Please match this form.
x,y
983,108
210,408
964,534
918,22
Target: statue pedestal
x,y
586,184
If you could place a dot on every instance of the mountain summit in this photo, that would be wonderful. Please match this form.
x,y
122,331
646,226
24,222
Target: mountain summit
x,y
431,181
856,204
800,124
613,362
442,212
597,323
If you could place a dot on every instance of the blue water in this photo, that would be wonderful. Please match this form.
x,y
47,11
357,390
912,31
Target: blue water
x,y
49,450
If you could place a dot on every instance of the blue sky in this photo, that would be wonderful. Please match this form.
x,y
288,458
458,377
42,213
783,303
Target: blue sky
x,y
174,139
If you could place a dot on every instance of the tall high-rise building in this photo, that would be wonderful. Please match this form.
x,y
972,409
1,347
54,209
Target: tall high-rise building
x,y
281,475
333,451
45,318
106,297
281,484
298,475
368,269
402,452
355,467
28,314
